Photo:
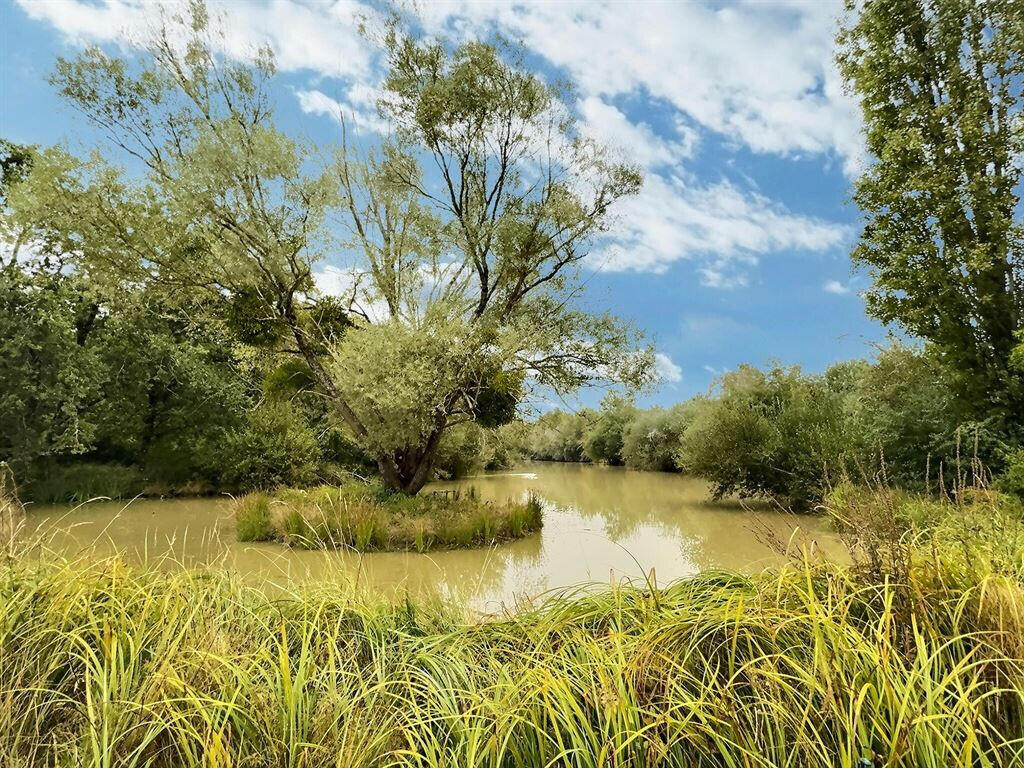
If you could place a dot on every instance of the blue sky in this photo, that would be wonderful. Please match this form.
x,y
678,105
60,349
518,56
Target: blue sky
x,y
737,248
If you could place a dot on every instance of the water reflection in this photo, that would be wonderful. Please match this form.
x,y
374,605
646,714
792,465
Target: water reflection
x,y
599,523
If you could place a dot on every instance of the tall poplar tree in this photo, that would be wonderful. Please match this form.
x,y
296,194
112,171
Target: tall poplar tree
x,y
941,87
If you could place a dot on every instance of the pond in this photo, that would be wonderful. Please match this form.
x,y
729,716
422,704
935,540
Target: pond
x,y
601,524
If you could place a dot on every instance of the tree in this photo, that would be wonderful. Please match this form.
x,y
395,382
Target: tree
x,y
231,206
940,84
652,439
777,433
46,371
605,435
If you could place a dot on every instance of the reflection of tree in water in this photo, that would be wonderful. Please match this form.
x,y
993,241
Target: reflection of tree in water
x,y
621,503
466,574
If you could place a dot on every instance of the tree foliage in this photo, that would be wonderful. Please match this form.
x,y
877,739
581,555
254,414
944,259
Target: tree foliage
x,y
464,279
941,88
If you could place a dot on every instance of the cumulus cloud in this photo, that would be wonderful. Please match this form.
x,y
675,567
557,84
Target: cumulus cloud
x,y
759,74
358,108
321,37
728,227
635,141
666,370
836,287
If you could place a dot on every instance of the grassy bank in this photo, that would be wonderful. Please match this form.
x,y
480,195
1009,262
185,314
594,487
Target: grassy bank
x,y
812,665
367,517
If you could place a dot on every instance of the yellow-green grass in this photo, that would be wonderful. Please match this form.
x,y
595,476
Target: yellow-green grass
x,y
912,658
105,666
366,517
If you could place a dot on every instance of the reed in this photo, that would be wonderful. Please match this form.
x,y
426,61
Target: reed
x,y
103,666
366,517
913,657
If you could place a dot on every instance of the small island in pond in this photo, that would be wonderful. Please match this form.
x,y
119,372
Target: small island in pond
x,y
370,518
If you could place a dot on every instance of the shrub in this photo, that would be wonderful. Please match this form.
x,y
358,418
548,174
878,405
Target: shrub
x,y
777,434
275,448
463,450
604,438
55,483
653,438
558,436
901,412
1011,481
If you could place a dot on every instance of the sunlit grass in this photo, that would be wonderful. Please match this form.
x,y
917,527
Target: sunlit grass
x,y
366,517
912,657
105,665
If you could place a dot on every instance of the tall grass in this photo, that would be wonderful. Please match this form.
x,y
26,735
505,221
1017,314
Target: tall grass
x,y
105,666
367,517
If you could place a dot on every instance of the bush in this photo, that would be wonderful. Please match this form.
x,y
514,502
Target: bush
x,y
652,440
888,529
777,434
55,483
1011,482
558,436
275,448
507,445
368,517
462,451
605,436
901,412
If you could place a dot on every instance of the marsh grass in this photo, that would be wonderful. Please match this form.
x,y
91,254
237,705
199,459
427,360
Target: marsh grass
x,y
916,664
105,666
366,517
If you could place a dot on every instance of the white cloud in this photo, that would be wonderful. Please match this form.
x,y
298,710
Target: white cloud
x,y
322,37
635,141
673,219
836,287
666,370
358,109
352,285
760,74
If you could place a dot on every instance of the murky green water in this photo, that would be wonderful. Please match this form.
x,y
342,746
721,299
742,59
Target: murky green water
x,y
600,524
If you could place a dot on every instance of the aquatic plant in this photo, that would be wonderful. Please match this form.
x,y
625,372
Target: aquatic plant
x,y
369,517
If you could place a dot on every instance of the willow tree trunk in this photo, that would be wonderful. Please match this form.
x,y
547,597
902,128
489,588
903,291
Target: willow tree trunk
x,y
408,470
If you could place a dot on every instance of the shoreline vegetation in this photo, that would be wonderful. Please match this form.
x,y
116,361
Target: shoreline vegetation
x,y
367,517
912,656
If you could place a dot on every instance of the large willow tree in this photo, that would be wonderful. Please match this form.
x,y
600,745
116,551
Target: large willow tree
x,y
469,224
941,87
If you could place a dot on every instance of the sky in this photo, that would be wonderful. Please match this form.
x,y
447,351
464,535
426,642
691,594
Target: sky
x,y
737,248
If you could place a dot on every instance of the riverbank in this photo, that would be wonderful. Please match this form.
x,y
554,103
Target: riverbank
x,y
103,664
365,517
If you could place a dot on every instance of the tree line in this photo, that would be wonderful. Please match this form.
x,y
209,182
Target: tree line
x,y
788,435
